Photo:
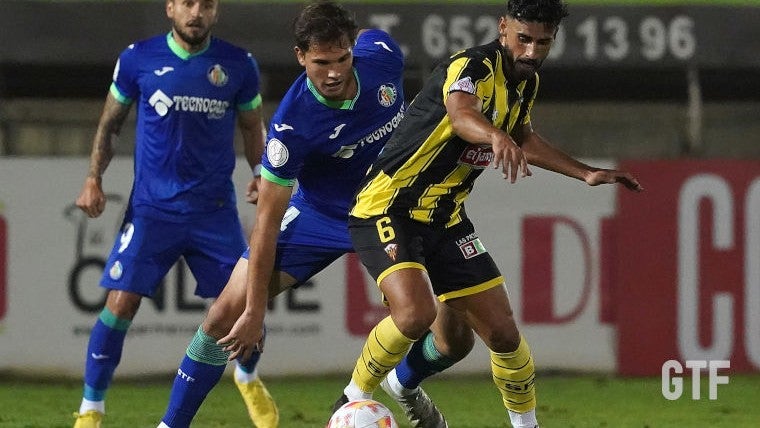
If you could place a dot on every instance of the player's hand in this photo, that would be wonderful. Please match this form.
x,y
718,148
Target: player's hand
x,y
609,176
252,192
91,198
244,337
510,157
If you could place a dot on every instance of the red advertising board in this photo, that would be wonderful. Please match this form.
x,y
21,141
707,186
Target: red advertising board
x,y
688,265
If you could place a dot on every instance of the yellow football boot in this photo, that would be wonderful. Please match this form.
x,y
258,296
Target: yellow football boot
x,y
90,419
261,407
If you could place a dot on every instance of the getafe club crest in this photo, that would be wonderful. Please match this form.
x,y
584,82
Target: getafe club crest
x,y
387,94
217,75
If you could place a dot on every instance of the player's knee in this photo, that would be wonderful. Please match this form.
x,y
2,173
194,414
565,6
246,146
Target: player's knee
x,y
505,339
412,321
457,343
122,304
222,315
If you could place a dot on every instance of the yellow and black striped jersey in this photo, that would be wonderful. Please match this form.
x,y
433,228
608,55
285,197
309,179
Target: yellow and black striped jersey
x,y
426,171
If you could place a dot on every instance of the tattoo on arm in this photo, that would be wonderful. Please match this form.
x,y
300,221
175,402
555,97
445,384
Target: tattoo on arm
x,y
109,127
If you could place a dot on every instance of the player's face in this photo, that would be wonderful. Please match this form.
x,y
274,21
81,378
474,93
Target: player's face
x,y
192,20
329,66
527,45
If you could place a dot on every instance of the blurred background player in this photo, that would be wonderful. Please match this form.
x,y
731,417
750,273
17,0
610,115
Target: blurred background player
x,y
409,225
189,89
327,130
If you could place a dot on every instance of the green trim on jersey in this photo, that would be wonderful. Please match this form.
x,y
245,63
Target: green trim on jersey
x,y
118,95
265,173
342,105
182,53
250,105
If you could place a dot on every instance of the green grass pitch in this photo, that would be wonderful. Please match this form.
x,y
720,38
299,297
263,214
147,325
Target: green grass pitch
x,y
565,401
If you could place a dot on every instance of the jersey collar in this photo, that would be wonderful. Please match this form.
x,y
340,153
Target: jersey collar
x,y
179,51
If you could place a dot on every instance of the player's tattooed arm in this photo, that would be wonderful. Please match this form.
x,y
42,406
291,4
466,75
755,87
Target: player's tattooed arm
x,y
91,198
109,127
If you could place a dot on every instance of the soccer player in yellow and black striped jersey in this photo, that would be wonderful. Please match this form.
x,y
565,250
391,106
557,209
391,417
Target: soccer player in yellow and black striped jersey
x,y
410,228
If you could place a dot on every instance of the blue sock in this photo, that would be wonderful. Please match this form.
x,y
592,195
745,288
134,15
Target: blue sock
x,y
250,365
199,372
103,354
422,361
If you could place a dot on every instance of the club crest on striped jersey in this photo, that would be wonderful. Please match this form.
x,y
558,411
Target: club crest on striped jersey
x,y
392,251
387,95
217,75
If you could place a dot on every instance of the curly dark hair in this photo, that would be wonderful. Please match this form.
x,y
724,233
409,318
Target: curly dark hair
x,y
323,22
545,11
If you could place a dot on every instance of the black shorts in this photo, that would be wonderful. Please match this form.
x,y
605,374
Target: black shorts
x,y
454,258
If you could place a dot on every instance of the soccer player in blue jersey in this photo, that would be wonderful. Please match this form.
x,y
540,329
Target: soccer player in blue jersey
x,y
328,129
189,89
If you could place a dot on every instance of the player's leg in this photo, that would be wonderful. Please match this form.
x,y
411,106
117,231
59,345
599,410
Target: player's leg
x,y
213,256
412,306
490,315
204,361
261,407
392,254
134,269
104,354
309,241
217,244
449,340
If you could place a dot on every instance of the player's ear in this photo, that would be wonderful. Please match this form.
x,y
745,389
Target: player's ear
x,y
300,56
503,26
170,8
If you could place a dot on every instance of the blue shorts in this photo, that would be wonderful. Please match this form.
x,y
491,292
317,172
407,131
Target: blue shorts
x,y
147,248
309,241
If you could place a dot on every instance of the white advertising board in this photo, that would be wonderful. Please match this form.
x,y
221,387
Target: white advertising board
x,y
54,258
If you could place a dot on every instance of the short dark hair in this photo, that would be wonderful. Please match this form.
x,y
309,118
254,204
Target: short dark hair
x,y
545,11
323,22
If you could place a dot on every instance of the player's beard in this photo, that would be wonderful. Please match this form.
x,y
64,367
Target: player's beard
x,y
197,39
521,69
525,69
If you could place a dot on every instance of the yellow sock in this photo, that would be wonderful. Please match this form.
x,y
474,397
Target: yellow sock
x,y
514,375
384,348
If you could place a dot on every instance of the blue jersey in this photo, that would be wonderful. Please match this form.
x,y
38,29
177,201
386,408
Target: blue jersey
x,y
186,108
328,148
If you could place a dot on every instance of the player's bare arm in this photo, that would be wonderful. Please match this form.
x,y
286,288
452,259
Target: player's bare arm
x,y
246,333
251,126
543,154
91,198
468,122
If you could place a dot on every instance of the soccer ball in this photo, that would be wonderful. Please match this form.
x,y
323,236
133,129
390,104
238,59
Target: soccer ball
x,y
362,414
